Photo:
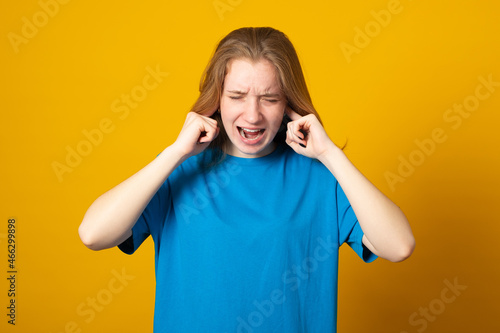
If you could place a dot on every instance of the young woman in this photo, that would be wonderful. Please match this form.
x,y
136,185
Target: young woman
x,y
249,206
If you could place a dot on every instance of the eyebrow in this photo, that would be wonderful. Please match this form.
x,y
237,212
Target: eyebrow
x,y
239,92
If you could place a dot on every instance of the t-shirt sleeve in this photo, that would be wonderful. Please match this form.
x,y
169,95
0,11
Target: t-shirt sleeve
x,y
350,231
149,222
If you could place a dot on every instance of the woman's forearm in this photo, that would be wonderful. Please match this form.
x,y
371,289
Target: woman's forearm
x,y
109,220
387,232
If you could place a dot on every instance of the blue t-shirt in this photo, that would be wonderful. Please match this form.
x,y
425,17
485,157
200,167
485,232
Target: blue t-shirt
x,y
248,246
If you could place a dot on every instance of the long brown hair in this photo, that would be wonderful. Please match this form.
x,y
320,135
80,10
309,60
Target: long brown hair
x,y
253,44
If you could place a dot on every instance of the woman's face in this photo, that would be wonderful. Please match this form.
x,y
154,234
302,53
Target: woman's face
x,y
252,107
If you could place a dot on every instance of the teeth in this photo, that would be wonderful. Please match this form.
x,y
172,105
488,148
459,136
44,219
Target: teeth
x,y
249,130
243,131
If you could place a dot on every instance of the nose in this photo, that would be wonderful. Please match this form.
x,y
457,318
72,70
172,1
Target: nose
x,y
252,114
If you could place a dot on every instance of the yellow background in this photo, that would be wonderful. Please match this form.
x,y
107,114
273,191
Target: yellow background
x,y
395,90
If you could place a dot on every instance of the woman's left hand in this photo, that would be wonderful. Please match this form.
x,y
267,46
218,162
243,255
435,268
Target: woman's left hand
x,y
307,136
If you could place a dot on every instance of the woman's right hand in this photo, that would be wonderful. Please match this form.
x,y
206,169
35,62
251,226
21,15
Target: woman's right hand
x,y
110,219
196,134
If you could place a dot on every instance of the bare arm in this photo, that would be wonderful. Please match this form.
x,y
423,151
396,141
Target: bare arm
x,y
109,220
387,232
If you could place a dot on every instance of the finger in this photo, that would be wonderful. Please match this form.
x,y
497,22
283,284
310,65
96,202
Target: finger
x,y
292,114
204,139
205,122
292,139
211,121
209,133
297,147
295,143
213,134
289,133
209,112
297,129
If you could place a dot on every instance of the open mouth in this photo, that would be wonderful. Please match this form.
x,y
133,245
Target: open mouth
x,y
250,134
